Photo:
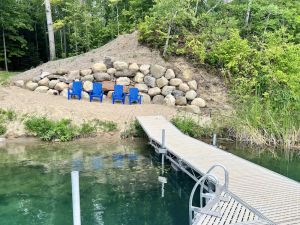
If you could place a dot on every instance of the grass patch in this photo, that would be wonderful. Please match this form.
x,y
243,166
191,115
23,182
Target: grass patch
x,y
4,77
105,126
133,129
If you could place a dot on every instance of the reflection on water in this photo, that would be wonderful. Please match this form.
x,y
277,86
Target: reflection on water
x,y
118,184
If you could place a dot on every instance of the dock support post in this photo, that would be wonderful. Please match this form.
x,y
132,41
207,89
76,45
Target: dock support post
x,y
214,139
75,198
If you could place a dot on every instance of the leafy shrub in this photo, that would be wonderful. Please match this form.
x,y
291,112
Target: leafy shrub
x,y
2,129
9,115
87,129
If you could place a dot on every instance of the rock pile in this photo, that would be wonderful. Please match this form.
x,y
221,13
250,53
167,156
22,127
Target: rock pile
x,y
157,84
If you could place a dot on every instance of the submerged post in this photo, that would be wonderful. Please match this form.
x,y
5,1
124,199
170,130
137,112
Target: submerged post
x,y
76,198
214,139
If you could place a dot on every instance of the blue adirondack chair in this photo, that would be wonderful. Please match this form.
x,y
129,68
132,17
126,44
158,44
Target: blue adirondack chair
x,y
118,94
76,90
134,96
97,92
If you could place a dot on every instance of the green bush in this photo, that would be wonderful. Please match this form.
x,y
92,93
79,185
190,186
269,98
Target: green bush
x,y
87,129
2,129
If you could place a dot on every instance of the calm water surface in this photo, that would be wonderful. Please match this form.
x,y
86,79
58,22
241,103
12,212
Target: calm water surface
x,y
118,183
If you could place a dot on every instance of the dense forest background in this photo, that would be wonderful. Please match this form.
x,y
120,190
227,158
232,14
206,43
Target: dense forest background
x,y
255,43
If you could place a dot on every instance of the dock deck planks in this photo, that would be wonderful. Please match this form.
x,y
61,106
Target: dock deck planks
x,y
276,197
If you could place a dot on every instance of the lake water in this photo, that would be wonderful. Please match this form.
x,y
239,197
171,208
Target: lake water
x,y
118,183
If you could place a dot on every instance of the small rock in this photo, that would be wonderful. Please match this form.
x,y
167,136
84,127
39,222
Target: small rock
x,y
52,92
123,81
134,67
52,83
88,77
181,101
85,72
44,74
44,82
120,65
99,67
184,87
88,86
146,99
139,77
60,86
199,102
170,74
61,71
175,82
193,109
111,71
161,82
19,83
193,85
145,69
31,85
141,87
157,71
150,81
101,76
167,90
154,91
191,95
158,99
169,100
42,89
177,93
85,95
108,62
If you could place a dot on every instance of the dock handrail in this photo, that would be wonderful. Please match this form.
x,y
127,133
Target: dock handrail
x,y
213,197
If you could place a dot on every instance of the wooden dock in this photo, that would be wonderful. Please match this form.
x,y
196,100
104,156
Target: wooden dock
x,y
257,196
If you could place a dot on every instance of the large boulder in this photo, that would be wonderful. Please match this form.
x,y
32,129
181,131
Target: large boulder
x,y
61,71
154,91
60,86
52,92
139,77
146,99
192,109
73,75
134,67
167,90
150,81
108,62
120,65
31,85
44,74
170,74
19,83
199,102
99,67
88,86
124,73
64,93
175,82
36,79
101,76
158,99
157,71
111,71
184,87
145,69
161,82
193,85
191,95
52,83
123,81
88,77
44,82
170,100
85,72
181,101
42,89
108,85
142,87
177,93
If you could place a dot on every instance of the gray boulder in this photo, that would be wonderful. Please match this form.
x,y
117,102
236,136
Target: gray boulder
x,y
52,83
154,91
191,95
60,86
141,87
150,81
184,87
175,82
177,93
101,76
193,85
88,86
170,100
146,99
99,67
181,101
134,67
199,102
158,99
36,79
88,77
42,89
85,72
120,65
161,82
44,82
111,71
44,74
123,81
139,77
31,85
124,73
145,69
157,71
167,90
108,62
170,74
52,92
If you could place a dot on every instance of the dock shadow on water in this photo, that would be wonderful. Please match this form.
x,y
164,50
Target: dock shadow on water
x,y
118,185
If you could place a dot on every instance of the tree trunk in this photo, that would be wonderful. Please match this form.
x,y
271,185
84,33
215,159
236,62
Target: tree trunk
x,y
61,42
50,29
65,42
36,38
118,20
4,49
248,13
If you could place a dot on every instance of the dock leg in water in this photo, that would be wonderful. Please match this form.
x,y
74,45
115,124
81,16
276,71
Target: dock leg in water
x,y
76,198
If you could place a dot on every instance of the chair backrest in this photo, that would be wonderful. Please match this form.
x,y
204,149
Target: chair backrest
x,y
118,90
97,88
133,93
77,87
